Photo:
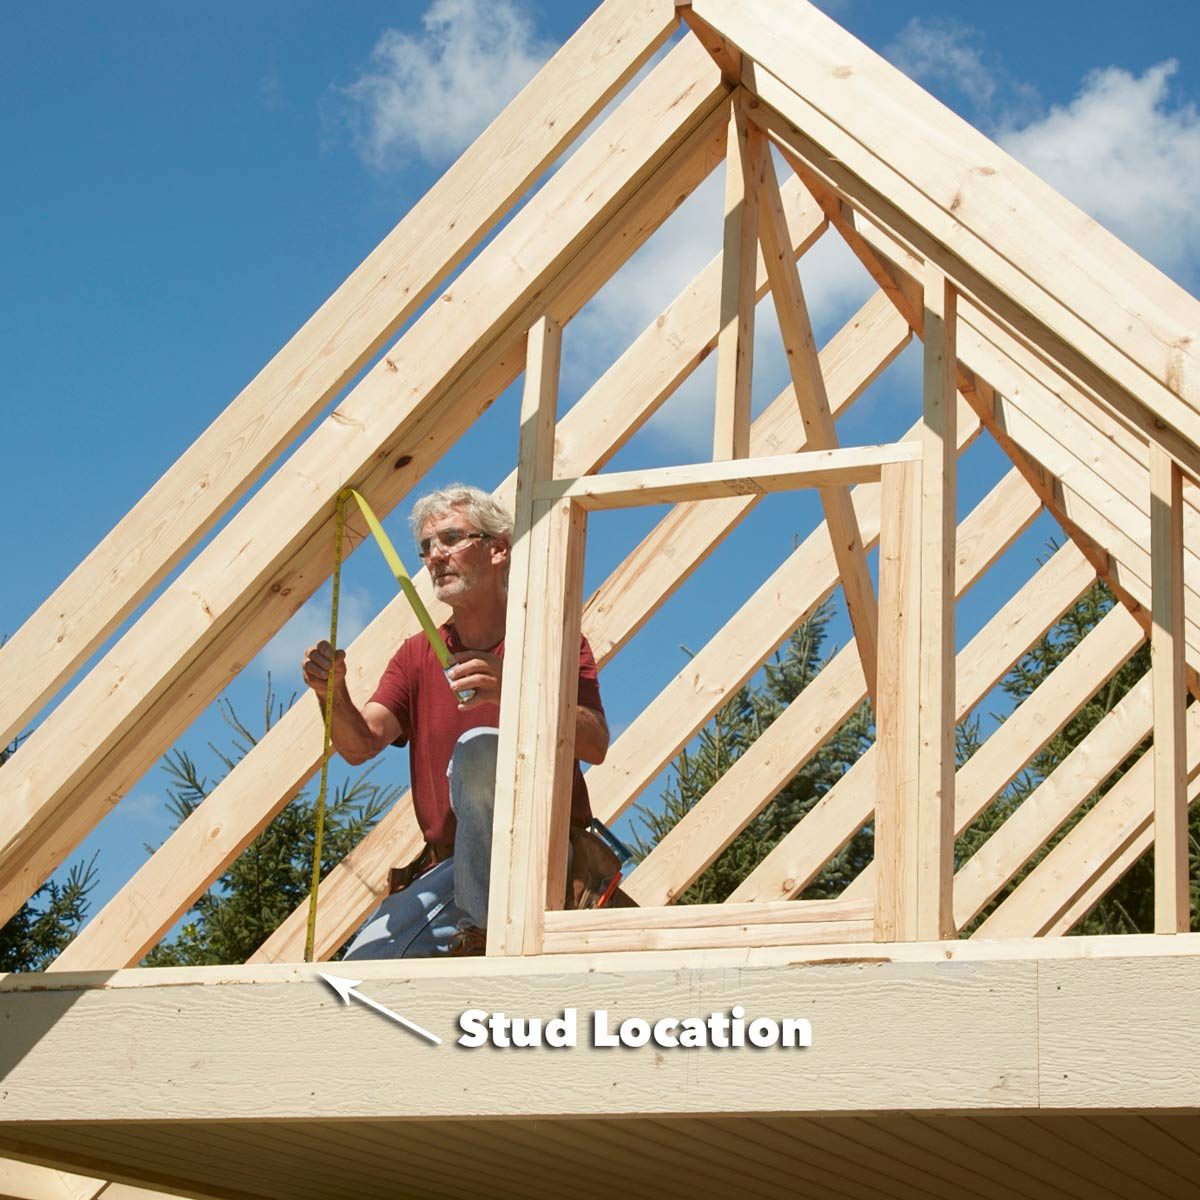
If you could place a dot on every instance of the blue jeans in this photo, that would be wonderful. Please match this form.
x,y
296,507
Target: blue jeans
x,y
421,921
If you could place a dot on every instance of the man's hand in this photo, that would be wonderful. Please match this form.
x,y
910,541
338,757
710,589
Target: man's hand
x,y
318,660
478,670
357,735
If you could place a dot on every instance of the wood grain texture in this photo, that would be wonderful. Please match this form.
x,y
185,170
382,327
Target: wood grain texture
x,y
273,554
812,397
936,640
885,1035
797,859
521,823
1019,247
745,159
1101,877
1103,834
1168,645
391,284
594,429
898,739
1090,466
651,573
1132,1050
742,476
1110,743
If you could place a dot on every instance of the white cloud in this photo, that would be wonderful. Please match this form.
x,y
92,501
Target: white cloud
x,y
934,51
282,655
835,284
1129,157
431,93
1122,149
140,807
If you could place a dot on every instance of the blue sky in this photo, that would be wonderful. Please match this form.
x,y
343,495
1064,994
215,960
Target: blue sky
x,y
185,184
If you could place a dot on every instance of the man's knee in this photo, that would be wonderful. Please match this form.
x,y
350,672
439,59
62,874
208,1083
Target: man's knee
x,y
472,770
474,757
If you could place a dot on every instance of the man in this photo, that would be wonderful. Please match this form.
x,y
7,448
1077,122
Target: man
x,y
449,722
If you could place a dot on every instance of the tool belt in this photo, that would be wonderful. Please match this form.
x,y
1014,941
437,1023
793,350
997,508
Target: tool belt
x,y
591,881
594,873
431,854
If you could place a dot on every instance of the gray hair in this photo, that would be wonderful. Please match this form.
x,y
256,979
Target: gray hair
x,y
485,513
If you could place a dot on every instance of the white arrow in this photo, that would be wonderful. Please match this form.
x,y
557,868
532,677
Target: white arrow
x,y
345,989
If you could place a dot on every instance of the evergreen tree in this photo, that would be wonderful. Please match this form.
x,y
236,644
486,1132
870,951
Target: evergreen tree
x,y
726,738
39,931
1129,905
273,874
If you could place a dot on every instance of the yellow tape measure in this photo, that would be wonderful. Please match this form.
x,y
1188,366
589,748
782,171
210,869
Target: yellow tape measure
x,y
440,650
403,579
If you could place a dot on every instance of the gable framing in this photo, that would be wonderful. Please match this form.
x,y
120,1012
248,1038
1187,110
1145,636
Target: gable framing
x,y
1074,355
1041,317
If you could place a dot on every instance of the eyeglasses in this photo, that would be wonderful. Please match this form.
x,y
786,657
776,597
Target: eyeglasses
x,y
449,540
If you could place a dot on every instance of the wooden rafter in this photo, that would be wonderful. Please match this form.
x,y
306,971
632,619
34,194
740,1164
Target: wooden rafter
x,y
1041,715
665,724
649,575
786,744
1038,719
587,436
722,51
1042,813
273,555
986,349
399,275
1099,879
1088,302
1013,321
852,359
1117,830
793,864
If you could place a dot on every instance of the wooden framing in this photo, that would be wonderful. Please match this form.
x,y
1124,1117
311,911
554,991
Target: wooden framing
x,y
621,605
1172,901
1079,360
745,159
537,718
935,642
1120,561
271,557
533,755
1051,804
813,400
898,741
1065,880
780,750
592,431
712,481
439,232
873,133
798,858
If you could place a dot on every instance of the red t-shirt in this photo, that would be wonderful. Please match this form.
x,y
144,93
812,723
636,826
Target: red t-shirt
x,y
414,687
